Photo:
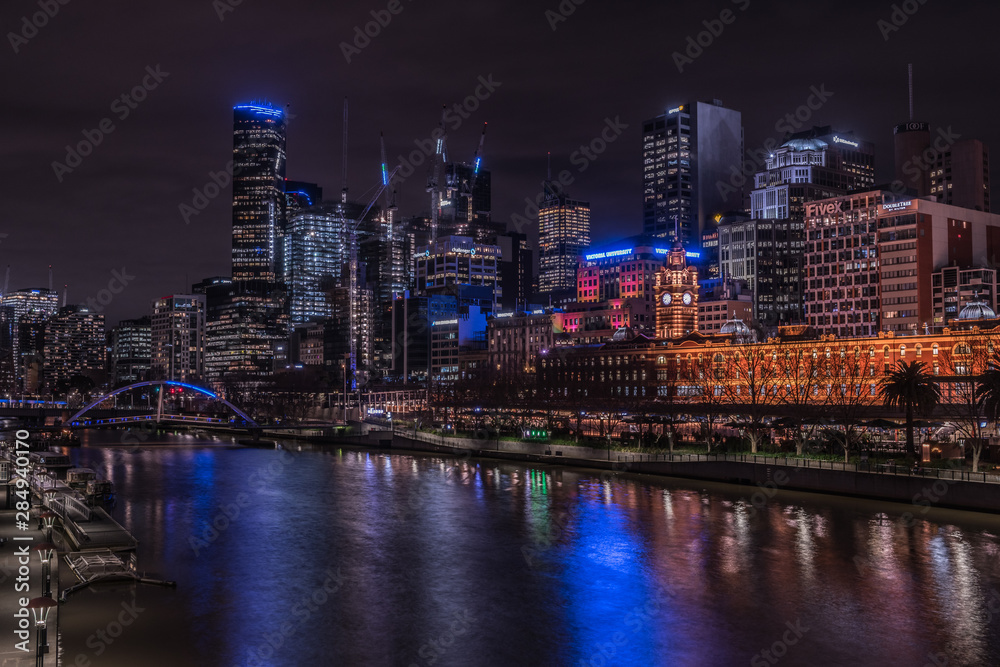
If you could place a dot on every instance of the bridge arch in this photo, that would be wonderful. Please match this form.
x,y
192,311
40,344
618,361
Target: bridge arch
x,y
163,383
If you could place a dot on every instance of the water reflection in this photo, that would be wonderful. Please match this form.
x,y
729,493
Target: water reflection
x,y
463,562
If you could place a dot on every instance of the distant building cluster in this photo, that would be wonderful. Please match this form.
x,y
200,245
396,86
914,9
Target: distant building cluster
x,y
732,242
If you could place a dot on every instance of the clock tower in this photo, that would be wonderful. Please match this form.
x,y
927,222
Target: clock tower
x,y
676,296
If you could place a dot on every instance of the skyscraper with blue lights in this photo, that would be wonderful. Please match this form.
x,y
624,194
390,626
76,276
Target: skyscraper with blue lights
x,y
258,196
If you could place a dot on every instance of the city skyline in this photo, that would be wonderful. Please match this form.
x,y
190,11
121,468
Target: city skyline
x,y
158,163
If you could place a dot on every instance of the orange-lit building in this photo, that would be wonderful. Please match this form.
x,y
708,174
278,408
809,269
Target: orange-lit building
x,y
729,367
676,297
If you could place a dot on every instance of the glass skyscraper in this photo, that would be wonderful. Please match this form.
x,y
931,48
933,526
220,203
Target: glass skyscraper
x,y
563,235
689,157
317,258
258,195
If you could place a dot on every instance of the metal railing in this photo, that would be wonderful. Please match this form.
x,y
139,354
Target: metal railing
x,y
758,459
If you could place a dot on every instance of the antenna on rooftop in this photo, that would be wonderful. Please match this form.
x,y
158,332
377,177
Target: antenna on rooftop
x,y
909,69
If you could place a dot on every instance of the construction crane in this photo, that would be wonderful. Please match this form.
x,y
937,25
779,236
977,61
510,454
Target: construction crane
x,y
434,185
343,164
477,162
353,295
390,216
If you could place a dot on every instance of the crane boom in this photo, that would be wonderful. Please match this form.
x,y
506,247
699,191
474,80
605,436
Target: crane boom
x,y
434,187
353,307
343,163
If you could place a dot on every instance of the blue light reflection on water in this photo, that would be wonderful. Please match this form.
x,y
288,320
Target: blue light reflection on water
x,y
652,572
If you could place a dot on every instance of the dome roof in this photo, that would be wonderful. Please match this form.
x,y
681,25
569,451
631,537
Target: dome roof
x,y
738,327
806,144
739,330
977,309
623,334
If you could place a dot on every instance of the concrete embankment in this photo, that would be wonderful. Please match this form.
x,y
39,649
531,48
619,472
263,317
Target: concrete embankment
x,y
920,490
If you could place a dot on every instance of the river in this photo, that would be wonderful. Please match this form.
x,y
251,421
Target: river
x,y
346,556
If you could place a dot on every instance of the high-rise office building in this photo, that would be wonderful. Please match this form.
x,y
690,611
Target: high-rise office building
x,y
316,259
74,345
766,251
815,164
467,203
178,338
563,235
515,270
689,154
911,143
872,258
258,196
960,175
131,351
29,309
240,341
451,261
767,255
300,195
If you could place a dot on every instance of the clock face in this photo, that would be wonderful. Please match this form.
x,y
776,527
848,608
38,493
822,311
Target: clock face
x,y
666,298
687,298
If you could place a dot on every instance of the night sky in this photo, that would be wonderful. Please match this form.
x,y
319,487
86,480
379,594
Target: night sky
x,y
120,207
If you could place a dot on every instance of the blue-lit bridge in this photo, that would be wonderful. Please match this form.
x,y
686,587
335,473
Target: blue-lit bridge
x,y
78,421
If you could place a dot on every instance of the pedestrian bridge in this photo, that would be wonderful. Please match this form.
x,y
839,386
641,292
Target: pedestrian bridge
x,y
78,421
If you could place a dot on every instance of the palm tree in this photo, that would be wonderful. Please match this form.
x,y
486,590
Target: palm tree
x,y
911,387
988,395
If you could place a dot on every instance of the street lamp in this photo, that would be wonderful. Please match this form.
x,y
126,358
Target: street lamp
x,y
40,608
45,551
48,519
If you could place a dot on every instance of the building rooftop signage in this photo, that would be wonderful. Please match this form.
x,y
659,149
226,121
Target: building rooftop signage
x,y
610,253
838,140
894,207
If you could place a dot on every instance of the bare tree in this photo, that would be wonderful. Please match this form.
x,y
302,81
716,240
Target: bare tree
x,y
751,374
961,372
851,387
801,374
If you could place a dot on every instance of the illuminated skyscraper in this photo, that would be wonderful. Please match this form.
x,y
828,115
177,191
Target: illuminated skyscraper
x,y
563,235
690,155
130,351
258,196
29,309
74,345
178,338
317,256
466,204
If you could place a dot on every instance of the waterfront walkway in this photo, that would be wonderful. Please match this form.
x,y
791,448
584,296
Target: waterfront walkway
x,y
10,656
594,454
